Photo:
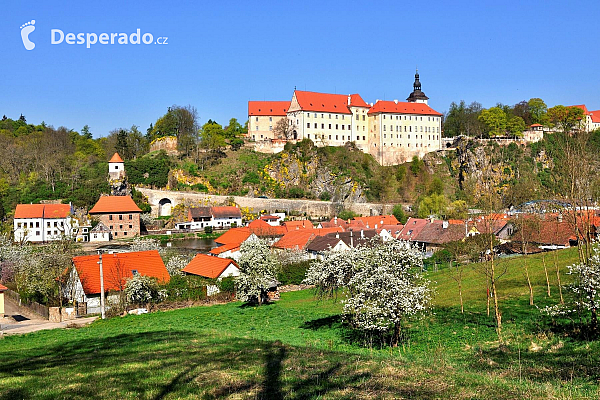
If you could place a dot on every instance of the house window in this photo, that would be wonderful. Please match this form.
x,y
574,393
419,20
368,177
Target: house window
x,y
330,127
270,119
308,124
37,224
308,136
37,233
124,233
130,226
315,123
336,116
116,234
336,137
120,217
256,119
363,117
134,272
343,127
364,138
329,137
111,227
256,127
55,224
322,126
270,127
337,126
110,217
348,127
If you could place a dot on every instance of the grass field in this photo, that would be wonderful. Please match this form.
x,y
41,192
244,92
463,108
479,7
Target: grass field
x,y
298,348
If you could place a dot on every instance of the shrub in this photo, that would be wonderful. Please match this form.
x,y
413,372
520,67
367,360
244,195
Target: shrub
x,y
143,289
293,274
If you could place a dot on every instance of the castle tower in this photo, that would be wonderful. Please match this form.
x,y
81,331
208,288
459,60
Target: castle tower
x,y
116,167
417,96
117,178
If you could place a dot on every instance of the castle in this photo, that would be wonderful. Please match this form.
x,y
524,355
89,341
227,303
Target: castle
x,y
392,132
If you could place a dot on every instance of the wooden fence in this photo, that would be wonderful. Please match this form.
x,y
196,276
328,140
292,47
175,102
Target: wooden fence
x,y
37,308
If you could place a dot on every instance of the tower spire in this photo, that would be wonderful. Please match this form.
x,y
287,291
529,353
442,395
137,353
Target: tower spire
x,y
417,96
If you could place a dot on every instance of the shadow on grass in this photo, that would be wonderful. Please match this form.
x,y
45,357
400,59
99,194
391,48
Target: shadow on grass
x,y
172,364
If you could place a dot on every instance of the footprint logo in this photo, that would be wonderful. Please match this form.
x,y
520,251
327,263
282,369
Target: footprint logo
x,y
26,29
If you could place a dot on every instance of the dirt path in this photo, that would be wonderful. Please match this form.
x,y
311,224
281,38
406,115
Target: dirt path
x,y
19,320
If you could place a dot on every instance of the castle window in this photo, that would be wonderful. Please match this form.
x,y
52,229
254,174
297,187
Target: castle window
x,y
337,126
343,127
329,126
256,119
363,117
270,119
322,126
348,127
256,127
270,127
308,124
364,138
308,136
315,125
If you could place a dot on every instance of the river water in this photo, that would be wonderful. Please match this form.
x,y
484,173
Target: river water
x,y
192,246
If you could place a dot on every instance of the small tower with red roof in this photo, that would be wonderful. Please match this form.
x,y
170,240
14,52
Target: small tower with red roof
x,y
116,176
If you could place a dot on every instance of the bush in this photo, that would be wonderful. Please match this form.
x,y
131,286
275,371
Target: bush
x,y
325,196
227,285
187,287
143,289
208,230
293,274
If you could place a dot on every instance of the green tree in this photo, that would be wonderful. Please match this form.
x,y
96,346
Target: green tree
x,y
85,132
398,212
495,121
538,110
212,136
566,118
516,126
435,204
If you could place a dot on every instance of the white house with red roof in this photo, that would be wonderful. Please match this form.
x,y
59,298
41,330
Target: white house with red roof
x,y
44,222
392,131
213,268
83,284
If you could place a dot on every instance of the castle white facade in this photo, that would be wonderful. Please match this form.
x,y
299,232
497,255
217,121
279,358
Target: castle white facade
x,y
392,131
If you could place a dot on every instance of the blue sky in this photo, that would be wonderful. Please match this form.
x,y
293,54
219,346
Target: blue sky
x,y
220,54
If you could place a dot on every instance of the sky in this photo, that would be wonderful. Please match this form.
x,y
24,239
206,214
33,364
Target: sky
x,y
221,54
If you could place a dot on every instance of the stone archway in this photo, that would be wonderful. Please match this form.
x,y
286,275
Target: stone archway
x,y
165,207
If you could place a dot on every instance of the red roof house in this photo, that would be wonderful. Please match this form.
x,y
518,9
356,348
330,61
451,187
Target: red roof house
x,y
120,214
211,267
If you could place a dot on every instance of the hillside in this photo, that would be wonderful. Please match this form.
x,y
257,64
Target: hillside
x,y
298,348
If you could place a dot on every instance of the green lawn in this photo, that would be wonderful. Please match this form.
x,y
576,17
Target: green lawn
x,y
297,348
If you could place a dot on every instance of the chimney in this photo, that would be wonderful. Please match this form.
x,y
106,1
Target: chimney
x,y
560,218
375,226
444,224
335,220
395,101
351,239
337,235
348,99
362,234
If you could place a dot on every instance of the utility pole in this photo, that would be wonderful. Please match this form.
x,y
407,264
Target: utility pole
x,y
102,309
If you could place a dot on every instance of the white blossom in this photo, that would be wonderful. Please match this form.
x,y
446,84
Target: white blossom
x,y
258,271
143,289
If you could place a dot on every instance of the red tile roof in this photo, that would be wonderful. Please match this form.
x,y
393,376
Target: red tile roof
x,y
261,228
275,108
435,233
378,220
357,101
116,158
334,222
42,210
583,107
3,288
297,225
595,116
535,125
402,108
412,228
234,236
323,102
117,268
295,240
269,218
226,247
115,204
208,266
226,212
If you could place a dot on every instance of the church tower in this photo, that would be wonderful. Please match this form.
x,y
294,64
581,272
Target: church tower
x,y
417,96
